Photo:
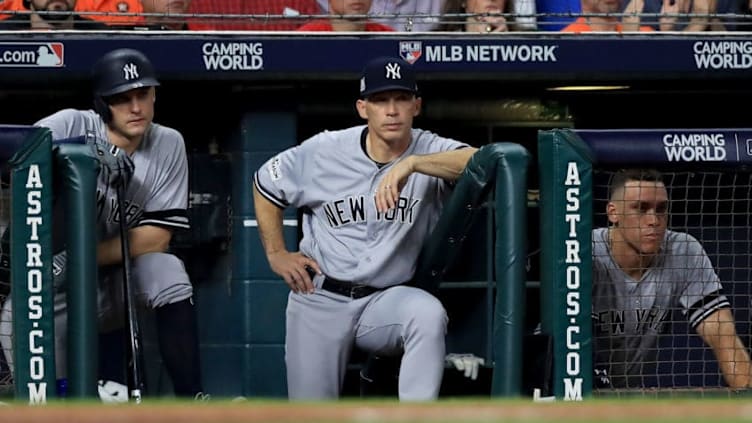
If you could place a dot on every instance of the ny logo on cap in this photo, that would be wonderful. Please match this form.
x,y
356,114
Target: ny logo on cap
x,y
393,71
130,71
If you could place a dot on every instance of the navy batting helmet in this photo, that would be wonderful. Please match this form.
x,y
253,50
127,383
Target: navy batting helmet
x,y
119,71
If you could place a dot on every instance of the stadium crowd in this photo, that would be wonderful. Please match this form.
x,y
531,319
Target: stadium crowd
x,y
480,16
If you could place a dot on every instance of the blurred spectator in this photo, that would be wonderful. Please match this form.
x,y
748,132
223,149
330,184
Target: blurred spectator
x,y
480,21
667,8
341,18
736,7
276,9
65,19
554,15
161,10
603,23
8,5
486,16
115,10
414,15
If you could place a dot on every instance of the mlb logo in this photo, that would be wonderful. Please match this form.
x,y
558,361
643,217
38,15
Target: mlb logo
x,y
50,55
411,51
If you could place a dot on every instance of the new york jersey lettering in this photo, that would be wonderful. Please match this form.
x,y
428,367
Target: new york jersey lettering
x,y
345,211
404,212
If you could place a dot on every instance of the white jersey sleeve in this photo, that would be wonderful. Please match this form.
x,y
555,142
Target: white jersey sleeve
x,y
282,179
71,123
701,295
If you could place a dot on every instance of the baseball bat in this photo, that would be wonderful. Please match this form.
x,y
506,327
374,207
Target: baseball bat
x,y
135,355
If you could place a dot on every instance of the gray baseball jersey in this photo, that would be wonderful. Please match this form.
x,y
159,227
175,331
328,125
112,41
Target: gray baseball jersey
x,y
157,195
158,191
332,177
629,315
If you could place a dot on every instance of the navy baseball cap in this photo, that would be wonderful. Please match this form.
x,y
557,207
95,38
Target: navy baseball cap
x,y
387,74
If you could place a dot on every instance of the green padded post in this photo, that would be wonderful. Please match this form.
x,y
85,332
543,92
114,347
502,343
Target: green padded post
x,y
31,268
78,167
565,165
503,164
510,259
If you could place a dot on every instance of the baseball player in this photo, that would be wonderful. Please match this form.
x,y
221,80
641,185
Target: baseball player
x,y
370,195
641,273
156,202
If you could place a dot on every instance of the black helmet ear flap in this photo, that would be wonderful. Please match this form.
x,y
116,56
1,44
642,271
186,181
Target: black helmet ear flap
x,y
102,109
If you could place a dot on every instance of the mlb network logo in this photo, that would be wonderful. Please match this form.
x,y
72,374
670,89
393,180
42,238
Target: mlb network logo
x,y
48,55
410,51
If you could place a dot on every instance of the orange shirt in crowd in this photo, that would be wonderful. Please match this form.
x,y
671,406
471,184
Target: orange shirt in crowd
x,y
581,25
113,6
290,8
327,26
10,5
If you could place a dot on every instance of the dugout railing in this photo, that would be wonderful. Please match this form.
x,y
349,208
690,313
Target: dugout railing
x,y
708,178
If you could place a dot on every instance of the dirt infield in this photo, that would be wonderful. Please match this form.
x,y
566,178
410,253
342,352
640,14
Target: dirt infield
x,y
460,411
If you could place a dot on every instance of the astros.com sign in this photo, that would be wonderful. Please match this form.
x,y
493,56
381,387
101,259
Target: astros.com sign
x,y
34,281
572,259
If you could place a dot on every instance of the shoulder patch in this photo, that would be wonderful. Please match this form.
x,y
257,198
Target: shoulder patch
x,y
275,171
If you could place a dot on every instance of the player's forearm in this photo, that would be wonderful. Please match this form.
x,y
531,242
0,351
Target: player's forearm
x,y
269,219
736,367
141,240
719,332
447,165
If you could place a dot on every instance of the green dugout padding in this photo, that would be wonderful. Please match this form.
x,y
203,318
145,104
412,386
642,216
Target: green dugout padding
x,y
31,271
76,171
32,174
496,175
566,204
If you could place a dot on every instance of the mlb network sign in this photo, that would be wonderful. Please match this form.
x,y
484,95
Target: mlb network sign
x,y
32,55
411,51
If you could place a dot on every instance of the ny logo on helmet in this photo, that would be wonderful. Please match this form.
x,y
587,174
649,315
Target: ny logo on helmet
x,y
130,71
393,71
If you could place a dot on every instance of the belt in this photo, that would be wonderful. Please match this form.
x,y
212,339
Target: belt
x,y
348,289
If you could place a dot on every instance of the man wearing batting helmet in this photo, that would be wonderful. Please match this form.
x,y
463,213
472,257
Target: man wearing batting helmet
x,y
156,201
642,272
370,195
